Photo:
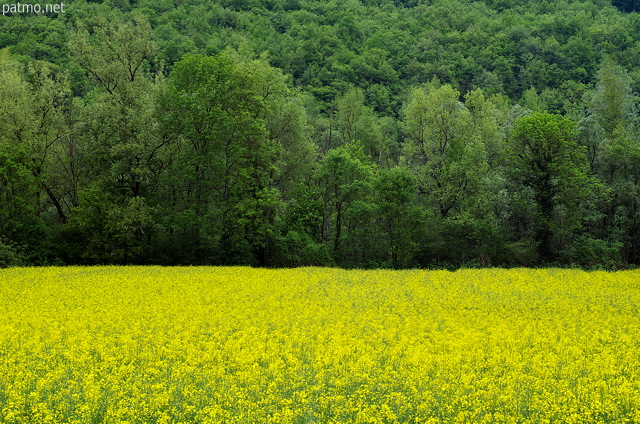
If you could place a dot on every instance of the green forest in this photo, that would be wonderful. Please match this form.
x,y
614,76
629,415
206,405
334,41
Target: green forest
x,y
352,133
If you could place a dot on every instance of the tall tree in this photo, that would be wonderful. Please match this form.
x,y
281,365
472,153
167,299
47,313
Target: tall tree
x,y
546,157
18,185
610,130
359,125
116,127
31,112
397,214
232,119
447,152
345,181
447,159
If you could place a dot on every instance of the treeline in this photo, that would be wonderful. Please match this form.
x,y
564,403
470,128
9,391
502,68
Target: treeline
x,y
288,133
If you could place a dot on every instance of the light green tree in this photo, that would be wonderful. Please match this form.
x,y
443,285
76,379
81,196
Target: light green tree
x,y
447,158
116,129
33,126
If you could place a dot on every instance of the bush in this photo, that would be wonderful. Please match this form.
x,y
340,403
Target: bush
x,y
591,252
298,249
523,253
10,255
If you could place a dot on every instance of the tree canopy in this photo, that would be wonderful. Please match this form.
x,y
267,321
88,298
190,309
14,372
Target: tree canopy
x,y
304,132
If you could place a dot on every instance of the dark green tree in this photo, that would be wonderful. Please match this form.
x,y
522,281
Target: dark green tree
x,y
239,136
610,131
626,5
345,182
398,214
545,156
32,116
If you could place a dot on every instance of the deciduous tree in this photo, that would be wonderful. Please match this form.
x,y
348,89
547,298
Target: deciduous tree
x,y
546,157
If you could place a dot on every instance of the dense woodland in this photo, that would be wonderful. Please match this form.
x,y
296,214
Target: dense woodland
x,y
355,133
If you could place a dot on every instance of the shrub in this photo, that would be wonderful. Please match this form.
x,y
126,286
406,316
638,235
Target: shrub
x,y
10,255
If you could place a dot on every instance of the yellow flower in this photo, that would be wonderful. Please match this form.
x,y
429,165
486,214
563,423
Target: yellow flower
x,y
234,345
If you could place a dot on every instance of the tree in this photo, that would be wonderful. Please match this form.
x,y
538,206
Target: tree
x,y
18,188
610,131
447,152
344,181
359,125
397,214
31,113
236,129
446,157
626,5
545,156
120,113
117,129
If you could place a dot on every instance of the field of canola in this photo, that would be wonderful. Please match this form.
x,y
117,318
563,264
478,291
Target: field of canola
x,y
313,345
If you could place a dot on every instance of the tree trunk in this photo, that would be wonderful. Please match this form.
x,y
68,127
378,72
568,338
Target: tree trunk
x,y
56,203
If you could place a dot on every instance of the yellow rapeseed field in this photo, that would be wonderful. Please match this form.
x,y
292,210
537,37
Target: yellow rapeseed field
x,y
314,345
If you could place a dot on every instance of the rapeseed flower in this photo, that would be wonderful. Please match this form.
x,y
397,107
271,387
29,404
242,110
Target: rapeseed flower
x,y
314,345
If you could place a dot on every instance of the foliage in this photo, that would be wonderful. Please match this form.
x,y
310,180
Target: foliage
x,y
10,255
283,133
546,157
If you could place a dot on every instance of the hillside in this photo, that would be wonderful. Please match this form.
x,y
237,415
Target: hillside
x,y
352,133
